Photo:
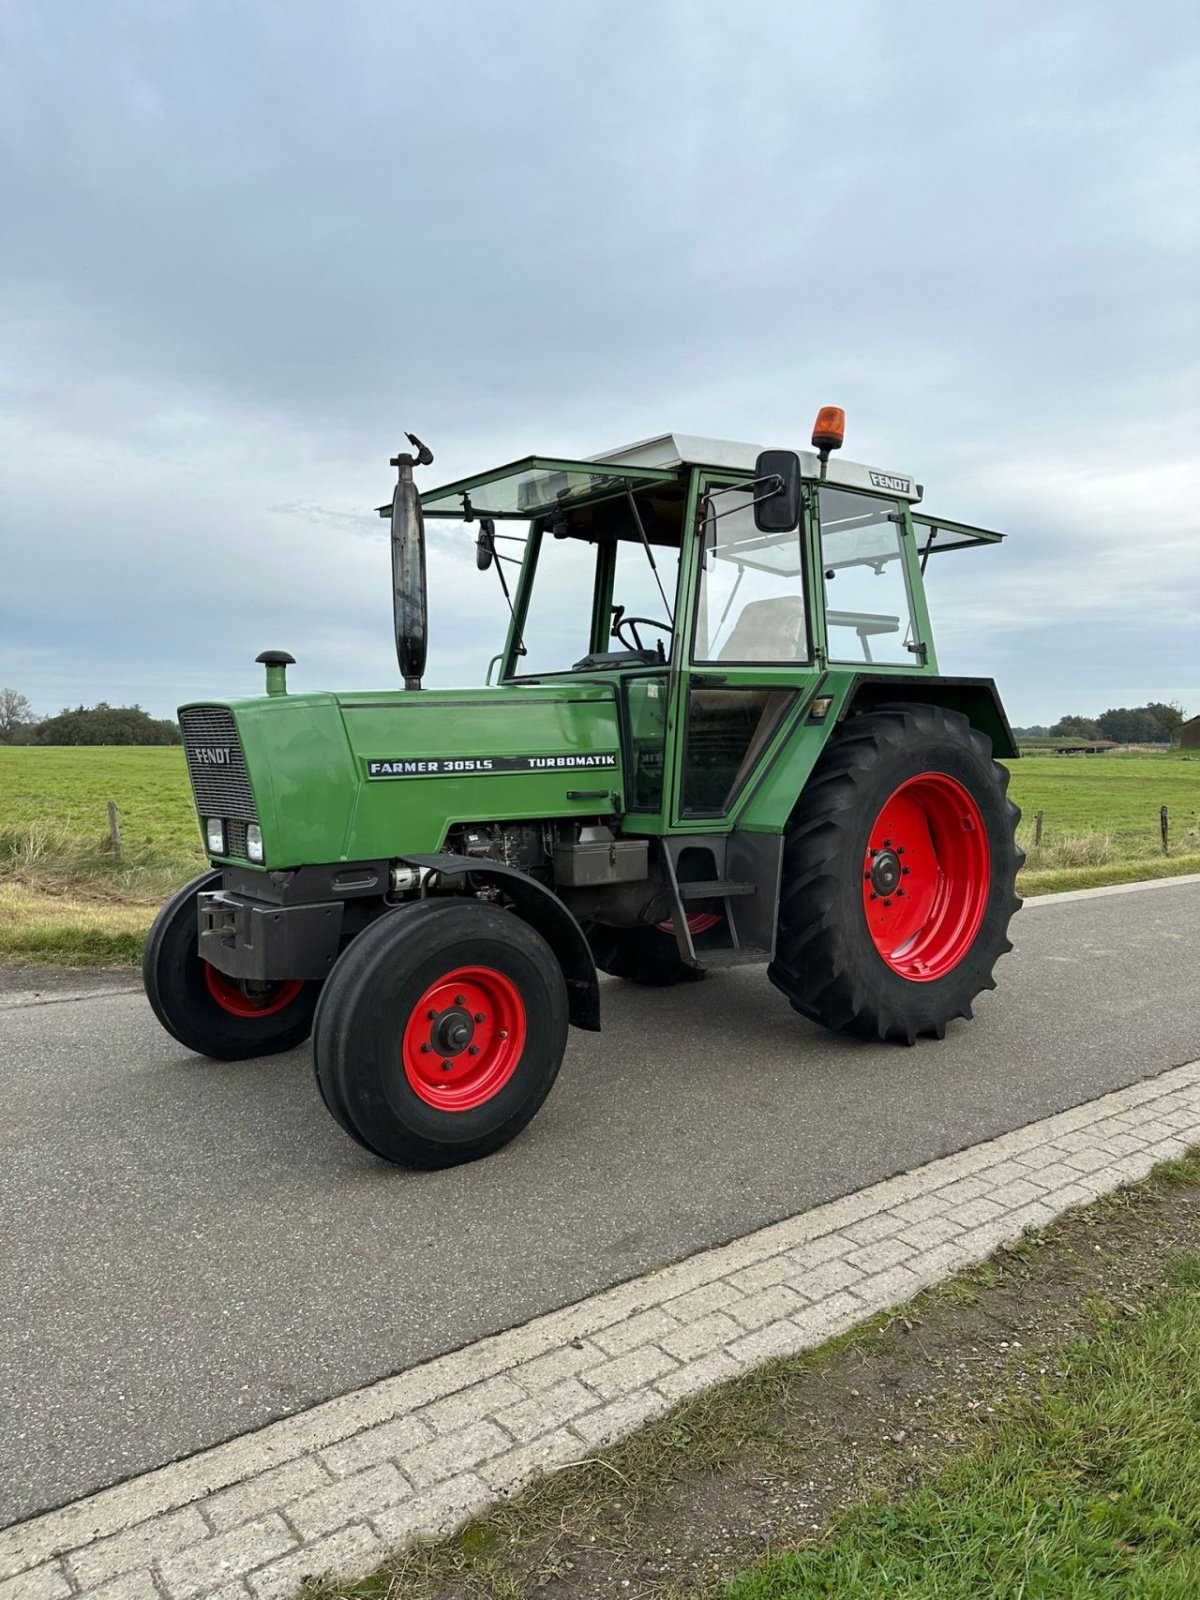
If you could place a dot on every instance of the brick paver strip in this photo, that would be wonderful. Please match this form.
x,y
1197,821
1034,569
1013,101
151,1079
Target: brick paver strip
x,y
334,1489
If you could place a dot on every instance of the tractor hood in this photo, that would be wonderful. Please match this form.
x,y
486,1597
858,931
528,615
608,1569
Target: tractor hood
x,y
358,777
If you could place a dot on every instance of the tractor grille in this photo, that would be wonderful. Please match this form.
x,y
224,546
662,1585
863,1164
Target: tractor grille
x,y
217,766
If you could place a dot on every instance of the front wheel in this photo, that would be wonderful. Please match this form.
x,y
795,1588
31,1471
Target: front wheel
x,y
208,1012
899,875
440,1032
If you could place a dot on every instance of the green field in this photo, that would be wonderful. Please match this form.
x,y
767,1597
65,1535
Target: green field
x,y
70,786
63,897
1116,795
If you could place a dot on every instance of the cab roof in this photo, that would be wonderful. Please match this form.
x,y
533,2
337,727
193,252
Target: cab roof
x,y
667,451
537,485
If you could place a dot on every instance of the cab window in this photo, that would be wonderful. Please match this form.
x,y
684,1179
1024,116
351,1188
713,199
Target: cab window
x,y
868,615
750,608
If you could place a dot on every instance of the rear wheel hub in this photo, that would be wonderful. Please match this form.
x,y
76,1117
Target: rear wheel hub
x,y
885,872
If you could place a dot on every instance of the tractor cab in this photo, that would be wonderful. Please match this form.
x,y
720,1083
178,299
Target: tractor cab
x,y
714,585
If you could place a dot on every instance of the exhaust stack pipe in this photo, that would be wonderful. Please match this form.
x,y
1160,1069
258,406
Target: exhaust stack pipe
x,y
409,602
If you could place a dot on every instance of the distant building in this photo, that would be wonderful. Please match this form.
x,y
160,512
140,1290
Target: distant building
x,y
1189,734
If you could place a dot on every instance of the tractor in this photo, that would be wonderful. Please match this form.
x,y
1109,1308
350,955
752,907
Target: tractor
x,y
716,734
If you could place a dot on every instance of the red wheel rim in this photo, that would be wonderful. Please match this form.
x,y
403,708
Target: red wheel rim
x,y
231,997
464,1038
926,876
697,922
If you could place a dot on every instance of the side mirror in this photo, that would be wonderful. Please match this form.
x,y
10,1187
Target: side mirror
x,y
485,544
777,510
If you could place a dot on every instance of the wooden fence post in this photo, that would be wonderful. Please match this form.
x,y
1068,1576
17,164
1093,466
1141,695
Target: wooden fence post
x,y
1162,828
114,830
1039,818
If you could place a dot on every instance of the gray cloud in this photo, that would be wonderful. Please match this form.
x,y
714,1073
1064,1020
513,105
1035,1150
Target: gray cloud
x,y
246,247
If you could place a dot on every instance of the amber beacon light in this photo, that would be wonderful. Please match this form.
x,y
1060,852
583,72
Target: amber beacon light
x,y
829,431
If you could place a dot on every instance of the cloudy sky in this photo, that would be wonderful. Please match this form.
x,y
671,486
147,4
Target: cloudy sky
x,y
245,245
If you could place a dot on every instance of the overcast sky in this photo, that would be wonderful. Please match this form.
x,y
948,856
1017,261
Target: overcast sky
x,y
246,245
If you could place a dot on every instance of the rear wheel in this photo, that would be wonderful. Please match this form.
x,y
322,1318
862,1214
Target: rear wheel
x,y
899,875
207,1011
647,955
440,1032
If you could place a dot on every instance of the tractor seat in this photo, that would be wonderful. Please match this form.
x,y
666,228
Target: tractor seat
x,y
769,630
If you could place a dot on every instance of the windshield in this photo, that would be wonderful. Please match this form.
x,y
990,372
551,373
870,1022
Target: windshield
x,y
558,619
603,585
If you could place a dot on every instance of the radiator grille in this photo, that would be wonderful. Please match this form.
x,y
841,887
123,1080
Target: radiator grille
x,y
217,766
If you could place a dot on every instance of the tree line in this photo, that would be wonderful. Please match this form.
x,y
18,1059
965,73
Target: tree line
x,y
98,724
1158,722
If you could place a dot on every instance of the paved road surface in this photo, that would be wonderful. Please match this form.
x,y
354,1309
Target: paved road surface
x,y
191,1249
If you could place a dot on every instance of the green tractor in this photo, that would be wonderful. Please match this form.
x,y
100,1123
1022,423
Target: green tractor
x,y
716,735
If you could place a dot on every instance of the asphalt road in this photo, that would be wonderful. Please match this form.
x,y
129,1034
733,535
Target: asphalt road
x,y
192,1249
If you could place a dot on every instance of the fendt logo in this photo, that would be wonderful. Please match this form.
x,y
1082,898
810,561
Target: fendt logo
x,y
885,480
213,755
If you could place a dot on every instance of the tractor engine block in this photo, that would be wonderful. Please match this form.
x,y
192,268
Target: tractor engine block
x,y
526,846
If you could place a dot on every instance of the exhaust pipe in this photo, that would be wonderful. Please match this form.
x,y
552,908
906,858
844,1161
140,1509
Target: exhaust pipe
x,y
409,601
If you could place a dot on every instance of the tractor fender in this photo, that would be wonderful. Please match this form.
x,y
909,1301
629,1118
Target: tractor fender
x,y
975,698
542,910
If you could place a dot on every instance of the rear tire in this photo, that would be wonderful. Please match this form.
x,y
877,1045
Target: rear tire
x,y
440,1032
206,1011
646,955
899,872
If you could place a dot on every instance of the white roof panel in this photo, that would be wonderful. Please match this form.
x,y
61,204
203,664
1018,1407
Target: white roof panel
x,y
670,450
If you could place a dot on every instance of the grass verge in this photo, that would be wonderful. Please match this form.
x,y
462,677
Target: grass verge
x,y
1031,1427
65,901
40,929
1037,879
1092,1488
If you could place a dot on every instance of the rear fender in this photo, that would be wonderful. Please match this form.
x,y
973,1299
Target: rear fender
x,y
975,698
542,910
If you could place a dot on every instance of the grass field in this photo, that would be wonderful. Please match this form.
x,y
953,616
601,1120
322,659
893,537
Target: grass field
x,y
1101,817
64,899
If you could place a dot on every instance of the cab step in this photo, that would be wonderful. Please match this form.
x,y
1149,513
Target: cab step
x,y
731,957
714,889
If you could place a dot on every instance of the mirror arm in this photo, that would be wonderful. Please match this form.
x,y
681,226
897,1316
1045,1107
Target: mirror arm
x,y
740,488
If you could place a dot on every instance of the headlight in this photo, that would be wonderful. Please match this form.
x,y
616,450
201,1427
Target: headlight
x,y
254,844
214,836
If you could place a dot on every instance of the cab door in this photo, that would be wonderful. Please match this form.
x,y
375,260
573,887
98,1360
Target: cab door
x,y
749,652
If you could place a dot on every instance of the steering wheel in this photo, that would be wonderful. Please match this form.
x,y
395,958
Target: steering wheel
x,y
620,620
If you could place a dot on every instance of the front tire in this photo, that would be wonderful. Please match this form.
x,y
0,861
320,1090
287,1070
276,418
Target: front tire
x,y
440,1032
899,873
210,1013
